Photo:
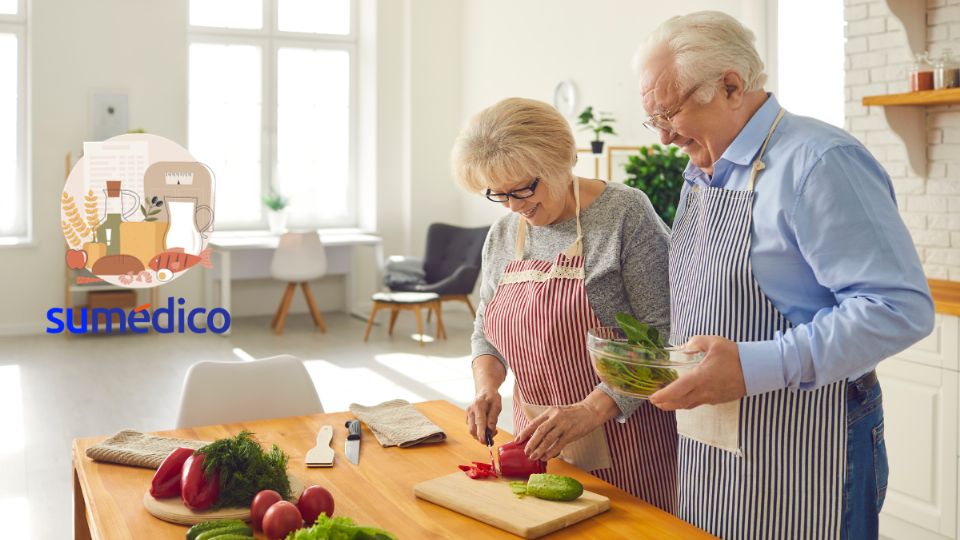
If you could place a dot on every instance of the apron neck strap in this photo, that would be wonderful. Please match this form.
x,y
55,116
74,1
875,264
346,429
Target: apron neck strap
x,y
758,163
575,249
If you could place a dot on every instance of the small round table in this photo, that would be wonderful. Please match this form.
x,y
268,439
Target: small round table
x,y
407,301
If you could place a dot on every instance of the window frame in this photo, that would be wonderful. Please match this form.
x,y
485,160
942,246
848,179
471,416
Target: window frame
x,y
17,26
270,40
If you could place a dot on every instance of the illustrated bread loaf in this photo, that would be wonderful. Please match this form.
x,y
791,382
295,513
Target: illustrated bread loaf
x,y
116,265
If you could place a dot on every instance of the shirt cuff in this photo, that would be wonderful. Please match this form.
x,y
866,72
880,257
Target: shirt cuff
x,y
762,366
627,405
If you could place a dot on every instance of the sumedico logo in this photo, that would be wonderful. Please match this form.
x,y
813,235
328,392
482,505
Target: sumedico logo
x,y
136,211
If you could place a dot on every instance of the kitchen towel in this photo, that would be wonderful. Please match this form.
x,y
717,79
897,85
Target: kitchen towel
x,y
130,447
398,423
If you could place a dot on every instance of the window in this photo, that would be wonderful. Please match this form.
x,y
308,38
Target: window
x,y
810,68
272,107
14,202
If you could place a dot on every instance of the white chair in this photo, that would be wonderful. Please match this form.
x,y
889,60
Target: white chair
x,y
299,258
228,392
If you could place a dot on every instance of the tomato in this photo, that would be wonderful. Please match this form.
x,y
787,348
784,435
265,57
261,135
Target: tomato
x,y
315,501
280,519
261,503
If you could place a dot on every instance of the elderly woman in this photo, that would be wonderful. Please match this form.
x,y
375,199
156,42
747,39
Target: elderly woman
x,y
570,255
792,269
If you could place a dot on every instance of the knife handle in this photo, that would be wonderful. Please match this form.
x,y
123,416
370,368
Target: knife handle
x,y
353,430
488,436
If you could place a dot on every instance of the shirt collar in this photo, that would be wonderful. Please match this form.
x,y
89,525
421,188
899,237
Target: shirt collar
x,y
747,143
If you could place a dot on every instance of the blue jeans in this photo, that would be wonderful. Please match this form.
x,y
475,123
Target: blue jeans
x,y
866,482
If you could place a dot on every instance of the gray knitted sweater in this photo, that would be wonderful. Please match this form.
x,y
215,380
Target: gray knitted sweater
x,y
625,249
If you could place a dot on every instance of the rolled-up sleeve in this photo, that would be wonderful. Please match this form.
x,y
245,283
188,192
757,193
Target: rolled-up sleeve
x,y
848,230
644,259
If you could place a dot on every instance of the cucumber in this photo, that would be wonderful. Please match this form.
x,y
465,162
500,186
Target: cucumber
x,y
239,530
200,528
554,487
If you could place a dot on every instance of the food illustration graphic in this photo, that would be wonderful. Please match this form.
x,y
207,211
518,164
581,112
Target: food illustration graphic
x,y
136,211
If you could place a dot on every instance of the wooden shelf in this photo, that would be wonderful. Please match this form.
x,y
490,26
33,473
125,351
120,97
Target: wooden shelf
x,y
946,296
949,96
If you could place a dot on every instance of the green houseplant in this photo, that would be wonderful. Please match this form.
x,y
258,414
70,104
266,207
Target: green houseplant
x,y
276,218
658,172
598,123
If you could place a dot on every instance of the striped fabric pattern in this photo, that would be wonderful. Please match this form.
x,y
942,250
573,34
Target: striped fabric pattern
x,y
788,480
540,328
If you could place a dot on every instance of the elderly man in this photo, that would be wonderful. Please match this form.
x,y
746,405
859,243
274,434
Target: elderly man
x,y
791,268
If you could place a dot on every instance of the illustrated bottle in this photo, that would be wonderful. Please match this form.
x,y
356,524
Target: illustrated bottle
x,y
109,230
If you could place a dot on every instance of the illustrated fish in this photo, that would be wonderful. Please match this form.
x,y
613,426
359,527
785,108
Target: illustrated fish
x,y
176,260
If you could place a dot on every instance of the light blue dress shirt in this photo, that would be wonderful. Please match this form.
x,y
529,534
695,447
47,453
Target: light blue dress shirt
x,y
828,248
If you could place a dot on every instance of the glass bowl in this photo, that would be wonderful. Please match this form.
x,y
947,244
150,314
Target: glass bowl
x,y
631,370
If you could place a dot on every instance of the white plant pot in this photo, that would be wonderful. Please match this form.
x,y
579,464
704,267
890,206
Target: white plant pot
x,y
278,222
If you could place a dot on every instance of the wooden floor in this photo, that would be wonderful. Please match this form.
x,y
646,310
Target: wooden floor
x,y
55,388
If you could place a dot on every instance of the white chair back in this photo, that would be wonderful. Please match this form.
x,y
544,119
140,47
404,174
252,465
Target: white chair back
x,y
299,257
228,392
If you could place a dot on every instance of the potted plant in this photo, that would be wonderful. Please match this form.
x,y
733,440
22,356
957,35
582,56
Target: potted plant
x,y
276,217
658,172
597,123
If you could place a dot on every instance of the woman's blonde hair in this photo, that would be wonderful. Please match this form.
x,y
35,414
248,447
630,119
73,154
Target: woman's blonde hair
x,y
515,140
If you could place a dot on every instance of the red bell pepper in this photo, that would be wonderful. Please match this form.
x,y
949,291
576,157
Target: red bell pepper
x,y
166,481
515,464
478,470
198,491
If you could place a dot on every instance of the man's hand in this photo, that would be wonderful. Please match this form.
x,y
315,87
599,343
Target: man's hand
x,y
718,378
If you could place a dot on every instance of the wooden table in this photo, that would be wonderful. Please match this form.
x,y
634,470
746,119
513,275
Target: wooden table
x,y
378,491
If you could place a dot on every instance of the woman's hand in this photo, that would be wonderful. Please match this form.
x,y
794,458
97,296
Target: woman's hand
x,y
482,414
488,374
557,427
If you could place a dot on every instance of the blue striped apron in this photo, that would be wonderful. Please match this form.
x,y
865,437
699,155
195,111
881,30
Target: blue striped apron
x,y
785,478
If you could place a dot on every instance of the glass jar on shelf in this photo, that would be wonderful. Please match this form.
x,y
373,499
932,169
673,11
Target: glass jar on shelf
x,y
946,73
921,74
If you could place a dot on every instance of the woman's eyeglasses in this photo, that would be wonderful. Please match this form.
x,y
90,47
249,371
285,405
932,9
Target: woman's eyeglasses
x,y
522,193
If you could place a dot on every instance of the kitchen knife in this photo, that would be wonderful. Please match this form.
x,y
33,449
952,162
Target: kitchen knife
x,y
489,436
351,447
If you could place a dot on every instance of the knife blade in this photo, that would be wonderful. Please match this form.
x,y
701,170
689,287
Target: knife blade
x,y
351,447
489,439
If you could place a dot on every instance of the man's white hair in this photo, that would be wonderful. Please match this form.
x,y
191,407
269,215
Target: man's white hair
x,y
703,46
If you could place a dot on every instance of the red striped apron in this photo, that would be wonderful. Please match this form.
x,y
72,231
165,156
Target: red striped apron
x,y
538,321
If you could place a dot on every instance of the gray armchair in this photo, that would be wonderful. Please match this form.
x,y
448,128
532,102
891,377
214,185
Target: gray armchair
x,y
451,264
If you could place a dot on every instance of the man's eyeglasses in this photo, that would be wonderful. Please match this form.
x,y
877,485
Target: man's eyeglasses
x,y
522,193
660,123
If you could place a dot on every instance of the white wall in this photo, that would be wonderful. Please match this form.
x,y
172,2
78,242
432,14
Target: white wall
x,y
138,47
525,48
437,63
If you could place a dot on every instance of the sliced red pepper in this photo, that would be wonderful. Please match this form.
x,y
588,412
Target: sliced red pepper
x,y
478,471
198,491
166,481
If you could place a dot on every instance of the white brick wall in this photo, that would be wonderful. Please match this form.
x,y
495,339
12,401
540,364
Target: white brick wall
x,y
877,58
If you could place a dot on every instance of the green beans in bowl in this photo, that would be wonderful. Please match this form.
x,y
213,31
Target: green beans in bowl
x,y
633,369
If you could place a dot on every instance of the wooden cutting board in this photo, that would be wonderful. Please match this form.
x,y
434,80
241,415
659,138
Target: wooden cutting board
x,y
492,502
174,511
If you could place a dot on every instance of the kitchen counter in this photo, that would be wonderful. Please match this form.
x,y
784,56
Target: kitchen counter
x,y
378,491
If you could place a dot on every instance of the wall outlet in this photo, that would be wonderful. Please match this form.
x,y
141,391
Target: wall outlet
x,y
109,115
